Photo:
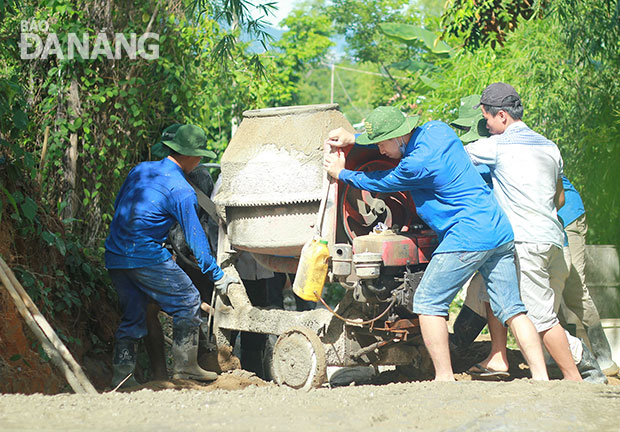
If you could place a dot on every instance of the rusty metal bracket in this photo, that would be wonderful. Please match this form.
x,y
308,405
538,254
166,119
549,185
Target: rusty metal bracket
x,y
402,328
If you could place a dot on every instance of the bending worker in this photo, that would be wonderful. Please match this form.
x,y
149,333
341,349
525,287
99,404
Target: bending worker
x,y
451,197
154,196
576,296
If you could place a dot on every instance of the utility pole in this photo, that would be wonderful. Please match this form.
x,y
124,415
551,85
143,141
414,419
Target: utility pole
x,y
331,95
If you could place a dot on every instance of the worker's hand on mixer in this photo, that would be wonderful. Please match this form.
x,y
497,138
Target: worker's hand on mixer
x,y
340,138
221,285
334,163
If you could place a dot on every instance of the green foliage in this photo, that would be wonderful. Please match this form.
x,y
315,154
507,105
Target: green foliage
x,y
358,21
103,114
370,30
575,103
356,88
591,29
410,34
302,47
13,122
456,305
487,22
429,50
300,72
565,66
236,14
333,293
7,7
68,275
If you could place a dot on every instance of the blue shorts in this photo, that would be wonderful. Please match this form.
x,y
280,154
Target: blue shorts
x,y
167,284
448,272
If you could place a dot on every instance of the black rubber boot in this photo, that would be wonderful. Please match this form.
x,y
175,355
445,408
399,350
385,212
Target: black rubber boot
x,y
467,327
185,355
588,367
602,350
124,362
203,345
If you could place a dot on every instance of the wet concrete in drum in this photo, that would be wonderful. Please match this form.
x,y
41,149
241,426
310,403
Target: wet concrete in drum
x,y
462,406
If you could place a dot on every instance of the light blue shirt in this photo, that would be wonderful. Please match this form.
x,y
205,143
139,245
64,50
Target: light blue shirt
x,y
525,168
154,196
449,194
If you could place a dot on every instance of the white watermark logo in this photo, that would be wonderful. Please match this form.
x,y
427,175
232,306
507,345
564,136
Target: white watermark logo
x,y
33,46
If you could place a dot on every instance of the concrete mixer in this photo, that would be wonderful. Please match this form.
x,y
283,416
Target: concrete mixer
x,y
274,198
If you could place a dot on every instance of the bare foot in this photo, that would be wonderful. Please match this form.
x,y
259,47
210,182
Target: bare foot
x,y
445,378
495,362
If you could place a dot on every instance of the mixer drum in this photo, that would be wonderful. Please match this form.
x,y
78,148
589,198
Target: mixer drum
x,y
273,179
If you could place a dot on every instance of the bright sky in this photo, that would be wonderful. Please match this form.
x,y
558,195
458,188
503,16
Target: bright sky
x,y
284,8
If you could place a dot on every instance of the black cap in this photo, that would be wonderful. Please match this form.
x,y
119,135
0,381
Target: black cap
x,y
499,94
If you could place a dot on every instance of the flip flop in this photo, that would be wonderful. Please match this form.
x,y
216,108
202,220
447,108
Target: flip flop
x,y
479,372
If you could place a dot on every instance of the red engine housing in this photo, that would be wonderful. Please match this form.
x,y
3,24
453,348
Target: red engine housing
x,y
398,249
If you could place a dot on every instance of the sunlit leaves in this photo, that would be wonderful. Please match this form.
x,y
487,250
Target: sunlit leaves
x,y
487,22
410,34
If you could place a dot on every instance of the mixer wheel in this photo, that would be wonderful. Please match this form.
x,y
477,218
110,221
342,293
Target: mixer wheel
x,y
299,359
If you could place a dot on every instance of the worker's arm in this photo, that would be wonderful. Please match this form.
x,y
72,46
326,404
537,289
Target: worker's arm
x,y
334,163
409,174
340,138
195,236
559,199
483,151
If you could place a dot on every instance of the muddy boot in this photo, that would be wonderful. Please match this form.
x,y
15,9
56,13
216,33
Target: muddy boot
x,y
589,368
185,355
467,327
124,362
601,350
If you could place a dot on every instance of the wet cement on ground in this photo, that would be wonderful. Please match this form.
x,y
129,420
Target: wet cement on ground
x,y
520,405
239,401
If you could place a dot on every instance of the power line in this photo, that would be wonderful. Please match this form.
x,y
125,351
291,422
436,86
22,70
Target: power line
x,y
331,65
347,95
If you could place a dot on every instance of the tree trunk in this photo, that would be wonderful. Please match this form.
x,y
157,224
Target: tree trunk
x,y
71,154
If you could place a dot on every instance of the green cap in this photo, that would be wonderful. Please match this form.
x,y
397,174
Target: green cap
x,y
385,123
471,120
190,140
159,150
476,132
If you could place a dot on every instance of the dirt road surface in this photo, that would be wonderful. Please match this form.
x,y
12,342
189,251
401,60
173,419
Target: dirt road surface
x,y
519,405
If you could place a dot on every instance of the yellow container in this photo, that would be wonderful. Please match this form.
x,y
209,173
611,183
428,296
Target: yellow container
x,y
312,270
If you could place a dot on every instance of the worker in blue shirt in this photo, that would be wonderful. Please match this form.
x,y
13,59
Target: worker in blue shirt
x,y
576,296
451,197
154,196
